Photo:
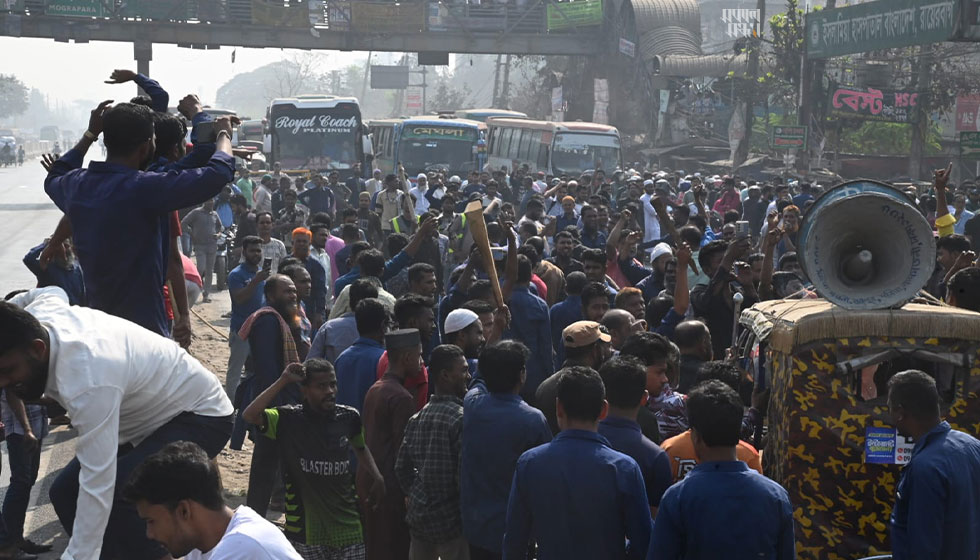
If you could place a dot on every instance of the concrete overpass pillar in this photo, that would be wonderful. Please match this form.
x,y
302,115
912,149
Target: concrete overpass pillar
x,y
143,53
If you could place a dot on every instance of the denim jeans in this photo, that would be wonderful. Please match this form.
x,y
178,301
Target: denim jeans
x,y
125,535
205,264
236,362
23,474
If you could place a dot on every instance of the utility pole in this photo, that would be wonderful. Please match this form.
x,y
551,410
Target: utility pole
x,y
496,83
742,151
811,92
367,74
424,87
921,126
505,87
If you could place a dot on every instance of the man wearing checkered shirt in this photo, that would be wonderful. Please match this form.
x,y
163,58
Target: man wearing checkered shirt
x,y
429,460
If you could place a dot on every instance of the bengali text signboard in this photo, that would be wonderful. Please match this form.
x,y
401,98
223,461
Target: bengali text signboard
x,y
375,17
873,104
883,24
969,144
581,13
788,138
967,113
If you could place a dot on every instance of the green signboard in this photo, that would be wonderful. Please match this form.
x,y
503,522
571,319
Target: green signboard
x,y
445,132
74,8
883,24
580,13
156,9
788,138
969,144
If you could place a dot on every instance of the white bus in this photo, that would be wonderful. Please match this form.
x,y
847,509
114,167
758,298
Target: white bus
x,y
319,133
557,148
483,114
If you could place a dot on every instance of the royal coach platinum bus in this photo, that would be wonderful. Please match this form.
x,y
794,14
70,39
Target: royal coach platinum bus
x,y
557,148
318,133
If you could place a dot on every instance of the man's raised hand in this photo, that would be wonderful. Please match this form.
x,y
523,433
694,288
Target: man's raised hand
x,y
121,77
95,119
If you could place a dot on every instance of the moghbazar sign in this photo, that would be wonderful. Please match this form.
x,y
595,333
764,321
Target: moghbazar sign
x,y
873,104
581,13
883,24
75,8
788,138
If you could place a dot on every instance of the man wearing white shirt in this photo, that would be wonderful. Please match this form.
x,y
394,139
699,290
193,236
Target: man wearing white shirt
x,y
375,183
651,223
128,391
422,187
178,492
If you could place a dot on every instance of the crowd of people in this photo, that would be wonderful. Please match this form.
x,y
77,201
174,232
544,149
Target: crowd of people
x,y
400,405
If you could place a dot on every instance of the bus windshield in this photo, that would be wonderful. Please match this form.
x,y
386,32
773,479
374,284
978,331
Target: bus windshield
x,y
575,152
323,138
423,147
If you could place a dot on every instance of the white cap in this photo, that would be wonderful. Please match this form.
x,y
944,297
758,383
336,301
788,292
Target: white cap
x,y
648,182
459,319
659,250
422,176
455,179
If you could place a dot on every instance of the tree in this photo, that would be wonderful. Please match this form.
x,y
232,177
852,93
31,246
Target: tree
x,y
448,97
300,73
13,96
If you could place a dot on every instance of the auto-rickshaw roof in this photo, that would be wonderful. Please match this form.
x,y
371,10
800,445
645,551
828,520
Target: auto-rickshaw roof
x,y
787,324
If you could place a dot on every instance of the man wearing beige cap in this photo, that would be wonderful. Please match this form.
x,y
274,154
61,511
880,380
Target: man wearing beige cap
x,y
586,344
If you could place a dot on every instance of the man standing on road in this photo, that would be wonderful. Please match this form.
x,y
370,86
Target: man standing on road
x,y
271,248
387,407
429,461
128,391
936,514
204,226
246,285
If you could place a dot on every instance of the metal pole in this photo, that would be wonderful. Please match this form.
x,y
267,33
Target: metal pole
x,y
424,72
367,73
143,53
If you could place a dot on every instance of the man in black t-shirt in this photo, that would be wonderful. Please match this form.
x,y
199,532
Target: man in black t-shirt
x,y
315,440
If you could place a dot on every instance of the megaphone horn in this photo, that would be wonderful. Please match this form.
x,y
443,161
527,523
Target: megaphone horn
x,y
864,246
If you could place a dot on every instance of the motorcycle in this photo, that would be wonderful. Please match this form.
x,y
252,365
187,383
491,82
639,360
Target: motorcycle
x,y
226,239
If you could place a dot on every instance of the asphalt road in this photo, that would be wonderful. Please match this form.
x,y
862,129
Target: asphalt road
x,y
27,216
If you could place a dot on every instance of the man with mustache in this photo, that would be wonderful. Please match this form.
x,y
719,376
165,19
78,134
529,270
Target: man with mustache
x,y
129,393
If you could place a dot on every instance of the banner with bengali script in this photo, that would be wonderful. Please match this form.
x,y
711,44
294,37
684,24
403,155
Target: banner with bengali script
x,y
580,13
371,17
873,104
883,24
968,113
275,14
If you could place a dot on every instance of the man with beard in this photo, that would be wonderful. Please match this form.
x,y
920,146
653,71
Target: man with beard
x,y
115,200
274,340
315,440
388,406
413,311
564,244
464,329
177,491
316,303
429,461
129,393
368,221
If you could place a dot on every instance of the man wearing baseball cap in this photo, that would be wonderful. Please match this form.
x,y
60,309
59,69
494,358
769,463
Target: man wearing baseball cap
x,y
464,329
586,344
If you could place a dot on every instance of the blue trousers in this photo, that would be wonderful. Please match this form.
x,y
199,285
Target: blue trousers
x,y
23,474
125,535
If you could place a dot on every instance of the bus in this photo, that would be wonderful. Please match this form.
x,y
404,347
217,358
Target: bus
x,y
319,133
50,133
251,130
427,143
557,148
483,114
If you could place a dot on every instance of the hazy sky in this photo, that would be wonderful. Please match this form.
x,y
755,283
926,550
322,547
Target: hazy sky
x,y
69,71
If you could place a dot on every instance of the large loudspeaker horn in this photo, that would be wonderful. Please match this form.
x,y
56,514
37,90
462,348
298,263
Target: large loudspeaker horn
x,y
864,246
